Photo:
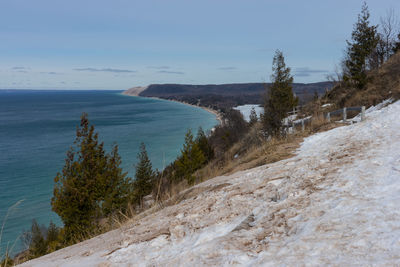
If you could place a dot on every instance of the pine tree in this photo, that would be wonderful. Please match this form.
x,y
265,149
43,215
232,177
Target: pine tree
x,y
90,186
396,45
204,145
280,98
364,41
38,245
253,116
316,96
191,159
117,187
145,175
53,237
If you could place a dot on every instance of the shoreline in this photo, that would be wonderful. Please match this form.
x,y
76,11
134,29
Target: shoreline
x,y
217,114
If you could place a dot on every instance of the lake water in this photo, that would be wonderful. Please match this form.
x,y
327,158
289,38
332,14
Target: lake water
x,y
37,128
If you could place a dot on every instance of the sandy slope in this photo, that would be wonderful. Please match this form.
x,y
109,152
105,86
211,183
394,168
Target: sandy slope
x,y
335,202
134,91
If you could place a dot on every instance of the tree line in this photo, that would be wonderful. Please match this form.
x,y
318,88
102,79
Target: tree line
x,y
92,190
370,47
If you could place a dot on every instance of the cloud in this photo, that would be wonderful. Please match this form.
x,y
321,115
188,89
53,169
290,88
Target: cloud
x,y
19,68
51,73
306,72
227,68
170,72
159,67
105,70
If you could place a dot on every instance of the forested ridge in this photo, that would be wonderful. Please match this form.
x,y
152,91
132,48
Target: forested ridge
x,y
225,96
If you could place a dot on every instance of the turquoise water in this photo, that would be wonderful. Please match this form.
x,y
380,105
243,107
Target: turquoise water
x,y
38,127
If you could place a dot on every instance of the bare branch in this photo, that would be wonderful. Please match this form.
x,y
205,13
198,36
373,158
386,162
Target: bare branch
x,y
389,27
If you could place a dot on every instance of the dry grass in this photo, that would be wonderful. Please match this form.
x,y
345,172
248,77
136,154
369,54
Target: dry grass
x,y
255,151
5,259
250,152
383,83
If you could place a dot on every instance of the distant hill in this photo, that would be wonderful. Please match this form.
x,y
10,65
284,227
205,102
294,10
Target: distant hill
x,y
224,96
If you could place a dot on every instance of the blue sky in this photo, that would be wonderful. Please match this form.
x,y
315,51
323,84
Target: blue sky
x,y
118,44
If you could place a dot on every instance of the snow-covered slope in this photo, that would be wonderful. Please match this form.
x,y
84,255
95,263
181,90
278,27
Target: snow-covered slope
x,y
336,202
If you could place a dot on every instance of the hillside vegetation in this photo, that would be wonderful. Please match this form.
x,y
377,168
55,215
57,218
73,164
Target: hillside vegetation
x,y
226,96
332,203
383,83
309,192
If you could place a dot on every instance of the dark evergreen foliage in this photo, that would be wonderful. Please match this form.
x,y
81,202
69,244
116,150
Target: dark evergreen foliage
x,y
53,237
204,145
41,240
396,46
191,159
145,176
316,96
91,185
38,244
280,99
364,40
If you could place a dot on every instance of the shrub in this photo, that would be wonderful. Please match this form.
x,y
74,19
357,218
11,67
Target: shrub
x,y
228,133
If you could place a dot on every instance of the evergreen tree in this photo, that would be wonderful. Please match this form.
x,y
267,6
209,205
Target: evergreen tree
x,y
191,159
145,175
90,186
364,41
116,186
253,116
280,98
53,237
204,145
396,46
38,245
316,96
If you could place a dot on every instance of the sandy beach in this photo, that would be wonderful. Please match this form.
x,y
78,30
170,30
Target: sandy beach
x,y
135,91
217,114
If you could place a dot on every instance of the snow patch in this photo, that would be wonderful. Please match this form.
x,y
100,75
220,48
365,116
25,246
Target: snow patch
x,y
246,110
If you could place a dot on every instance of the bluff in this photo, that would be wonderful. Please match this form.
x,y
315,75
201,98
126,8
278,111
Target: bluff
x,y
222,96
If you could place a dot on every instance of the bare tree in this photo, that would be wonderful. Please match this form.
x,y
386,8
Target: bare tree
x,y
337,75
389,29
378,55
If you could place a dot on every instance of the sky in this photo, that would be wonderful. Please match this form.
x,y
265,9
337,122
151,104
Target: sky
x,y
118,44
